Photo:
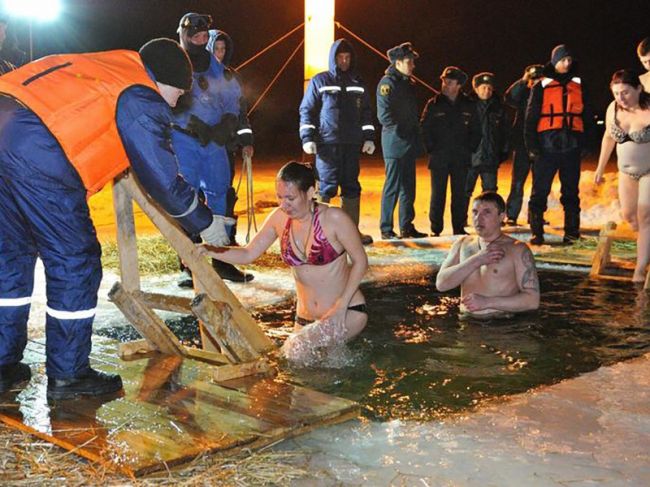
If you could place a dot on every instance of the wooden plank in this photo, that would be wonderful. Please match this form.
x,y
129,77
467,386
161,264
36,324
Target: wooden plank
x,y
602,255
148,324
201,269
170,412
126,241
207,356
217,318
177,304
235,371
131,350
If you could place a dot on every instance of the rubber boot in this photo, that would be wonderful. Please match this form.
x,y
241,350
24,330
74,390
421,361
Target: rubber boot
x,y
90,383
571,227
352,206
536,228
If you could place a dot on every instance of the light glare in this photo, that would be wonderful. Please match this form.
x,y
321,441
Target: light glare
x,y
33,9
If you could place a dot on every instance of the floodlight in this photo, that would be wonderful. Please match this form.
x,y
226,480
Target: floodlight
x,y
39,10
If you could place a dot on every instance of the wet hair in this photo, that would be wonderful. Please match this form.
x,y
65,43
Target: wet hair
x,y
492,197
644,47
628,77
302,175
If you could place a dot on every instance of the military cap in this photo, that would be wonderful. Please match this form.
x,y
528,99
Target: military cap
x,y
402,51
484,78
452,72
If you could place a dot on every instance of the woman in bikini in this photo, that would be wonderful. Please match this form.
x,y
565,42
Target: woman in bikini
x,y
627,127
315,241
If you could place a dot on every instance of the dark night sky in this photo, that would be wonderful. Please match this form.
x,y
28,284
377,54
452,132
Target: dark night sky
x,y
502,36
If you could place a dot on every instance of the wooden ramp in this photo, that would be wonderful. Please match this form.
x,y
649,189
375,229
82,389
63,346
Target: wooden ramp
x,y
171,411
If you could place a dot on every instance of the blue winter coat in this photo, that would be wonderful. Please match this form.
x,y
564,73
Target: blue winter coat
x,y
336,106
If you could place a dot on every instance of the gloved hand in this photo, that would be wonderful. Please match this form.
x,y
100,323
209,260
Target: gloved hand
x,y
368,147
200,129
309,147
217,233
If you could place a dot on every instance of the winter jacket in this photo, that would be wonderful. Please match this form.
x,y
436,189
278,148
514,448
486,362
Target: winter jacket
x,y
451,131
566,134
517,97
492,149
397,111
233,87
336,106
141,116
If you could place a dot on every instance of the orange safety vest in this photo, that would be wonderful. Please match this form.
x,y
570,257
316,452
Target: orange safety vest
x,y
75,96
562,106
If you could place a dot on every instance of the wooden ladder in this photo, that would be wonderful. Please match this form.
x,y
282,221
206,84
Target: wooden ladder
x,y
602,256
231,338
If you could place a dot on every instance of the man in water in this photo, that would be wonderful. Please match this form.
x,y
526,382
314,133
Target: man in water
x,y
496,273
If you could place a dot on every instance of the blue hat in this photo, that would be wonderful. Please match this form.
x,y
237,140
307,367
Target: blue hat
x,y
402,51
560,52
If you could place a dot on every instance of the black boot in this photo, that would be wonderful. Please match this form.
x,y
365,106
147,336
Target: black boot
x,y
90,383
536,228
186,281
571,227
13,374
229,272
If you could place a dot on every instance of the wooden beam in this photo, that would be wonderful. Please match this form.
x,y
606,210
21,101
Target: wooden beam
x,y
202,271
126,241
601,256
207,356
236,371
143,319
217,319
135,349
177,304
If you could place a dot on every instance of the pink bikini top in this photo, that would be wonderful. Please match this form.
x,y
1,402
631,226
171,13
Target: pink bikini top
x,y
321,251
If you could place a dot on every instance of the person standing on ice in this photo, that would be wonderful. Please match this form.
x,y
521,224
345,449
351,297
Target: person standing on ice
x,y
69,124
517,97
397,111
557,129
205,119
336,125
221,46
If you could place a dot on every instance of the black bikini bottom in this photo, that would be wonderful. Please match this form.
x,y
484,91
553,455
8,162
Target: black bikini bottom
x,y
361,308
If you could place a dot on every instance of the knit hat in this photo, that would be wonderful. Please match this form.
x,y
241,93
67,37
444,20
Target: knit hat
x,y
193,23
560,52
168,62
402,51
484,78
453,72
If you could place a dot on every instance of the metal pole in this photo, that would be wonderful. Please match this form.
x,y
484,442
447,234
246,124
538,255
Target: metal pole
x,y
31,43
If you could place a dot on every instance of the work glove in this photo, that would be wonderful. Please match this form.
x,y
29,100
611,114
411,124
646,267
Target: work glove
x,y
309,147
217,233
201,130
368,147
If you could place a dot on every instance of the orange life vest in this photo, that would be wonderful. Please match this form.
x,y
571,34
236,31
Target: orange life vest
x,y
75,96
562,105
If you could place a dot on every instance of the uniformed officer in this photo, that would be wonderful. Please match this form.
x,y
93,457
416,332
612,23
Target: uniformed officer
x,y
451,132
397,111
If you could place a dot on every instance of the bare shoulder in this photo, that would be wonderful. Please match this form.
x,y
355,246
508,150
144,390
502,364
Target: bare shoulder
x,y
333,217
519,247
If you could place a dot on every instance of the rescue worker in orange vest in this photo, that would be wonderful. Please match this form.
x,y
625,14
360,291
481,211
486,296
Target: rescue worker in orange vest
x,y
68,125
556,129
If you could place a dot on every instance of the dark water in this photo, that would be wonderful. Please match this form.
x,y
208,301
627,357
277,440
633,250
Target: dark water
x,y
417,360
